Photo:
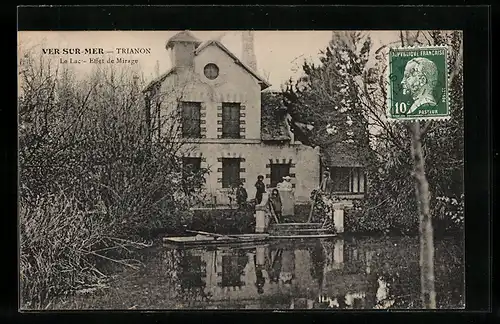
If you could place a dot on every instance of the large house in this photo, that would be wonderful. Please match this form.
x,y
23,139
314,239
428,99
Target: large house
x,y
218,97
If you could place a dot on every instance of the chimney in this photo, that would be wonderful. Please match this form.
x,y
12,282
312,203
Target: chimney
x,y
248,53
183,46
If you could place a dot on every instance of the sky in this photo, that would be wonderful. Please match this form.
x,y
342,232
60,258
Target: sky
x,y
279,53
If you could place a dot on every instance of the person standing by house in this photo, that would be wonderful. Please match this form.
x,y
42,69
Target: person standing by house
x,y
241,195
261,189
326,183
286,184
286,191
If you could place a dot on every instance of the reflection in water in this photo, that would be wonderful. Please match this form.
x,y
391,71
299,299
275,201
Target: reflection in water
x,y
337,274
232,268
383,299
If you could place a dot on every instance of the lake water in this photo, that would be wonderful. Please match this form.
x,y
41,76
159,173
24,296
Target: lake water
x,y
348,273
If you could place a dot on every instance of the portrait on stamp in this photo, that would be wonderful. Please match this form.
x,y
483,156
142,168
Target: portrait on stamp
x,y
419,81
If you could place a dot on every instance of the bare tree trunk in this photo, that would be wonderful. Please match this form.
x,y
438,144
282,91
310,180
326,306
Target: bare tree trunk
x,y
428,293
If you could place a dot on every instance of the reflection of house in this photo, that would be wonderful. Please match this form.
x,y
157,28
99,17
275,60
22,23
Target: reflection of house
x,y
231,279
228,278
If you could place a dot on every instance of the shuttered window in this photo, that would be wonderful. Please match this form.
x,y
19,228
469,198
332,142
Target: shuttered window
x,y
230,120
191,119
230,172
340,178
191,168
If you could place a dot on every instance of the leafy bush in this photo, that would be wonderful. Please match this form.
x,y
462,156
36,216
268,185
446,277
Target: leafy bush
x,y
323,208
339,96
451,212
91,175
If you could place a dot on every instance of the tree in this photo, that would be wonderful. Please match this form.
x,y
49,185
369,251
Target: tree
x,y
92,180
351,80
422,193
324,98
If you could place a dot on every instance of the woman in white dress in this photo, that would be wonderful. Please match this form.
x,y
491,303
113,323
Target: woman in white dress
x,y
286,184
287,199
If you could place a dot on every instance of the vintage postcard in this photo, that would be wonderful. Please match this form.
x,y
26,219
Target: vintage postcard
x,y
188,169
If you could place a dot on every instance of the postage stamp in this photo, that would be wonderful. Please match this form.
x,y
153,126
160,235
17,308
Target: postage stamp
x,y
418,83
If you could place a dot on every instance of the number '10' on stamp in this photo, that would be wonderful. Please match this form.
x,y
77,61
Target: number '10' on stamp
x,y
418,83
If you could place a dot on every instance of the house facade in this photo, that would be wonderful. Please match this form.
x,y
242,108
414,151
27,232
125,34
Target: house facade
x,y
217,98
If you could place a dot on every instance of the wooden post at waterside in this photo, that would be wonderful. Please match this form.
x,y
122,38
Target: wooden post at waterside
x,y
338,217
261,214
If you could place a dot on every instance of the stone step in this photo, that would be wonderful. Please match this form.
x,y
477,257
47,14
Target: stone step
x,y
287,233
296,230
287,226
302,236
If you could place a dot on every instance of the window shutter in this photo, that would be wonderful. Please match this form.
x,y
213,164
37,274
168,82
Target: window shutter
x,y
191,119
196,117
278,171
230,172
231,120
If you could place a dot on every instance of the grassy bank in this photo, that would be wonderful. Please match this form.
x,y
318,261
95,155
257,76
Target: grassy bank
x,y
65,249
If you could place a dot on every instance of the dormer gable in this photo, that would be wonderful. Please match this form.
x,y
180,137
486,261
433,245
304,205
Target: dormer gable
x,y
263,83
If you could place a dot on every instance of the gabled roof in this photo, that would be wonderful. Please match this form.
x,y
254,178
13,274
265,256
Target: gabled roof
x,y
187,36
342,155
263,83
184,36
158,80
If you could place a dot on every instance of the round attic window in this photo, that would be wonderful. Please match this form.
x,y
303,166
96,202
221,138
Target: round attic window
x,y
211,71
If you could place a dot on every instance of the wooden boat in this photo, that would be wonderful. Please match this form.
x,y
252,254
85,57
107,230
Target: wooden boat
x,y
205,238
237,240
